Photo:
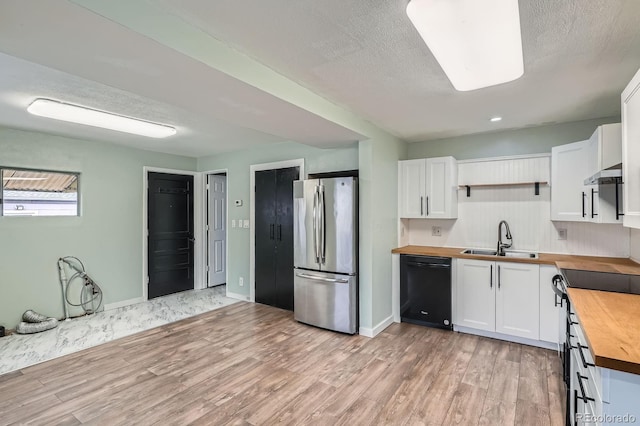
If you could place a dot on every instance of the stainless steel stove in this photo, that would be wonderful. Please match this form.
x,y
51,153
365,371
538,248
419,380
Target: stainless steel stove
x,y
604,281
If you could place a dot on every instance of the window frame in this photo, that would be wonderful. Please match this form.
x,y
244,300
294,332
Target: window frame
x,y
27,169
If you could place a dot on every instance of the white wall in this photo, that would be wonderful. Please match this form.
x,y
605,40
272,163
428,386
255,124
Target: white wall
x,y
528,216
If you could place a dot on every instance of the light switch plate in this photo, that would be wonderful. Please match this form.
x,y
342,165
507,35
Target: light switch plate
x,y
246,223
233,223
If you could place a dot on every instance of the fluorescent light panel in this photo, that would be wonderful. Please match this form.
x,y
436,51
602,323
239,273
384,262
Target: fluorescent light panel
x,y
92,117
477,43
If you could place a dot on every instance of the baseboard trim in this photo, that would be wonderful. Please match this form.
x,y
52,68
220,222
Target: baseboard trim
x,y
506,337
237,296
373,332
123,303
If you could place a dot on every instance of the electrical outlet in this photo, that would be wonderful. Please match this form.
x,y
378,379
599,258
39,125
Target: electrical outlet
x,y
241,282
562,233
246,223
233,223
436,231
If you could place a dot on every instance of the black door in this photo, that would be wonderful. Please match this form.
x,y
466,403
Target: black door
x,y
170,221
274,237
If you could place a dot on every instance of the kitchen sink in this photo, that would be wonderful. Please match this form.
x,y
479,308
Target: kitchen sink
x,y
520,254
507,253
480,252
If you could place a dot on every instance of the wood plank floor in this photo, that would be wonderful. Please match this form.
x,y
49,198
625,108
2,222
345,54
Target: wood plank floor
x,y
249,364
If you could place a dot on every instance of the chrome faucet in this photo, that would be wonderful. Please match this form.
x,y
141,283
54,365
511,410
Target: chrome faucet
x,y
501,245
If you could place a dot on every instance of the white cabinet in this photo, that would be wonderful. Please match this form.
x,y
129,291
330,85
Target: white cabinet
x,y
518,299
549,308
501,297
428,188
605,152
569,168
475,301
605,148
631,152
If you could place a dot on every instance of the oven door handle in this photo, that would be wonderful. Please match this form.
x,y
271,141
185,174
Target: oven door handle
x,y
555,282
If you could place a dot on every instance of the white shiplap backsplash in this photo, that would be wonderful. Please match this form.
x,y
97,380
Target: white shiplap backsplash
x,y
528,216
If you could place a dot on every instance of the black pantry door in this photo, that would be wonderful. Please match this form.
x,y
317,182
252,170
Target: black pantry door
x,y
170,221
274,236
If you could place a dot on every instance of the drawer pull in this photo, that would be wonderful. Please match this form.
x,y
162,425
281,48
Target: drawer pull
x,y
584,361
584,397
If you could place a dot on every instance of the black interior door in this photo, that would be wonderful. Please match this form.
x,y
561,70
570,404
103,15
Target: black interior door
x,y
265,234
284,236
170,241
274,237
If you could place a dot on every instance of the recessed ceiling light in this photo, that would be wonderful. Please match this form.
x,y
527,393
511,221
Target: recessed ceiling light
x,y
92,117
495,119
477,43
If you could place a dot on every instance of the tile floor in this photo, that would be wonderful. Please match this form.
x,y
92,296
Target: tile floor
x,y
19,351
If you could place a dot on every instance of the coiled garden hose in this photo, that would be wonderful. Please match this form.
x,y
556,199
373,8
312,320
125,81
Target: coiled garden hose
x,y
90,294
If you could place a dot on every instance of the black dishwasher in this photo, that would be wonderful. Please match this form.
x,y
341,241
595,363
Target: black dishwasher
x,y
425,290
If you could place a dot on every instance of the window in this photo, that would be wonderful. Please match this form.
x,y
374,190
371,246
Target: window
x,y
39,193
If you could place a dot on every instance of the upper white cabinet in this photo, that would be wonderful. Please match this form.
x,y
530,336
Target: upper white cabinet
x,y
605,148
570,197
498,296
631,152
428,188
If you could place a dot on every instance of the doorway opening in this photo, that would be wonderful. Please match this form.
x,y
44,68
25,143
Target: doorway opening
x,y
216,229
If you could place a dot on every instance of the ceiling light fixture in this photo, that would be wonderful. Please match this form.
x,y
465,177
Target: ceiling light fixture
x,y
495,119
92,117
24,178
477,43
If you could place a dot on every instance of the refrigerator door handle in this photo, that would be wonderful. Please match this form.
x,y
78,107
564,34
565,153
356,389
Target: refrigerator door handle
x,y
322,219
315,224
329,280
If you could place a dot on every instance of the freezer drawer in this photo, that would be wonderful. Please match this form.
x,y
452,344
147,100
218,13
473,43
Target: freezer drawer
x,y
325,300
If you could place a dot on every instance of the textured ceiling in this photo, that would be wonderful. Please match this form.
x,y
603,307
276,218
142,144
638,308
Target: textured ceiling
x,y
365,55
158,60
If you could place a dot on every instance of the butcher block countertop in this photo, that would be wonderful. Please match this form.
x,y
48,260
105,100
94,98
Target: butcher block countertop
x,y
611,321
562,261
611,324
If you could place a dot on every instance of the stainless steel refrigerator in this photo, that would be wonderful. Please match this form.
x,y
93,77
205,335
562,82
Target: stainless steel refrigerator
x,y
325,255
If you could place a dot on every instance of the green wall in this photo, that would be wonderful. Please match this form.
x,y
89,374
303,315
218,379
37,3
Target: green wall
x,y
237,164
378,224
534,140
107,237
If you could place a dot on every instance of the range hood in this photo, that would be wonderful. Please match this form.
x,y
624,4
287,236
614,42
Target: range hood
x,y
611,175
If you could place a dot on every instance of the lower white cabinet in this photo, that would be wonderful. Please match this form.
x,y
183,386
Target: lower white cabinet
x,y
502,297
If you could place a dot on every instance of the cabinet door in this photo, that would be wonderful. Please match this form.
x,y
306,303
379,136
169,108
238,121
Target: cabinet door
x,y
412,188
283,237
518,299
265,234
476,303
440,197
569,169
631,152
549,312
